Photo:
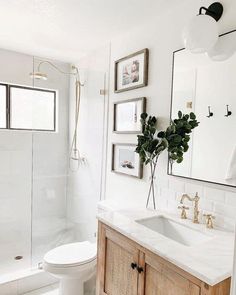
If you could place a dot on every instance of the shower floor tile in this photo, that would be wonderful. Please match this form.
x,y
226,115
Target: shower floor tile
x,y
49,290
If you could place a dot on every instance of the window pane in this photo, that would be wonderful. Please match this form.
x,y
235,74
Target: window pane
x,y
31,109
3,92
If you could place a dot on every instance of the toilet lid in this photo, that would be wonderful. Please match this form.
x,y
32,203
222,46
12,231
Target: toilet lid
x,y
72,254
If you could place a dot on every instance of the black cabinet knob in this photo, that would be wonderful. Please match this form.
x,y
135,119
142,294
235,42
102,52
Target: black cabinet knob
x,y
139,269
133,265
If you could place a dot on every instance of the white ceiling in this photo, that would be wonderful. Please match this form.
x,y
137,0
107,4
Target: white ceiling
x,y
68,29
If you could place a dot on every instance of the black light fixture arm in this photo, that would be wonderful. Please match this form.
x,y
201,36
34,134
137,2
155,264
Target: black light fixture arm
x,y
206,9
215,10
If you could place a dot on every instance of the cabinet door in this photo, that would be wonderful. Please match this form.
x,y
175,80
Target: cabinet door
x,y
159,279
115,275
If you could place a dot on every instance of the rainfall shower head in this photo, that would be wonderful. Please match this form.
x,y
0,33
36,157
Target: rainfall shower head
x,y
38,76
42,76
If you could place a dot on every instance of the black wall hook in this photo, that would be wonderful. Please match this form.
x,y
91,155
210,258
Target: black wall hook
x,y
210,113
229,113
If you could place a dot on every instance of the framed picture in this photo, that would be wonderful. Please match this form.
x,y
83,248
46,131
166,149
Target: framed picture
x,y
127,115
131,71
125,160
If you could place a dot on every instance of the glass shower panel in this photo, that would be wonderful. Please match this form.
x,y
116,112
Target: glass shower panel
x,y
3,102
49,194
85,183
15,198
15,174
33,169
50,163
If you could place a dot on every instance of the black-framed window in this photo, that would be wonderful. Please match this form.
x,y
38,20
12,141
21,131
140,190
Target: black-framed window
x,y
3,106
27,108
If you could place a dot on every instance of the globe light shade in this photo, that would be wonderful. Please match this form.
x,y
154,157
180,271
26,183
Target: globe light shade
x,y
224,48
201,34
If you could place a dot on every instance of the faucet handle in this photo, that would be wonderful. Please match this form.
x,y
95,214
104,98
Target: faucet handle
x,y
209,220
197,196
183,212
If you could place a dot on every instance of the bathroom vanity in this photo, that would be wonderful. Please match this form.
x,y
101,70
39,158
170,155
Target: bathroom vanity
x,y
158,254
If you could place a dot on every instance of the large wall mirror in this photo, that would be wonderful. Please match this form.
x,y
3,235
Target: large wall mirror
x,y
207,87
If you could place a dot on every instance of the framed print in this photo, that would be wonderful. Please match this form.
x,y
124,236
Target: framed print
x,y
125,160
127,115
131,71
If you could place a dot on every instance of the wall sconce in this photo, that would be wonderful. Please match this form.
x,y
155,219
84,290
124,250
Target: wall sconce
x,y
223,49
201,34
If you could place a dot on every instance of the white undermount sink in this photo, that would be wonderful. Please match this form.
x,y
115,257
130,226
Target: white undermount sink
x,y
174,230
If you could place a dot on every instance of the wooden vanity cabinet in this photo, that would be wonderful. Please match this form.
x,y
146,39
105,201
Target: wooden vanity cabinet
x,y
115,256
126,268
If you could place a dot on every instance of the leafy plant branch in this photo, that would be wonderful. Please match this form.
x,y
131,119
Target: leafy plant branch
x,y
174,139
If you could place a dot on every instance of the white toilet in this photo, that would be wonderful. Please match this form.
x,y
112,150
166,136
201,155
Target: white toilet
x,y
73,264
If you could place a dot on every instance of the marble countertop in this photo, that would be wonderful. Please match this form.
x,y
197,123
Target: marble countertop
x,y
211,261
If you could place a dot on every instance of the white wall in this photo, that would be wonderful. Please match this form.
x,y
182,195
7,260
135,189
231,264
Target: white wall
x,y
33,169
162,36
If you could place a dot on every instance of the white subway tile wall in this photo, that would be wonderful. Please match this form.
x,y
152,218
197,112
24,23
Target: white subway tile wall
x,y
219,202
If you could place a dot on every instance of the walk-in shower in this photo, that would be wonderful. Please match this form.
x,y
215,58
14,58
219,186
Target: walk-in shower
x,y
44,203
33,163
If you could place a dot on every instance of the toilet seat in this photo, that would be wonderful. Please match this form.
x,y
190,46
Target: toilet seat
x,y
71,255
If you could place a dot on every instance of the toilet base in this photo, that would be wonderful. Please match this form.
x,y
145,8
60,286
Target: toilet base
x,y
71,287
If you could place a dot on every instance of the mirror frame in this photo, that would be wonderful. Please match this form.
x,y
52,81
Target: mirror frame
x,y
171,104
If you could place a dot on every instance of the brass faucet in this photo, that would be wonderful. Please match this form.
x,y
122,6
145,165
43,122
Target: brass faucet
x,y
196,201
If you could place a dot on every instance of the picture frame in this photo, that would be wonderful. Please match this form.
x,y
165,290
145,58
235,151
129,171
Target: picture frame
x,y
125,161
126,115
131,72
